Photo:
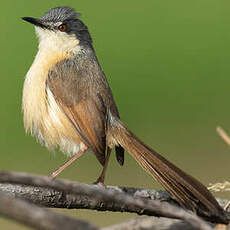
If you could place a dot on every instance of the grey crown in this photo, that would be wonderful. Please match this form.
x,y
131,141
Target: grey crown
x,y
60,14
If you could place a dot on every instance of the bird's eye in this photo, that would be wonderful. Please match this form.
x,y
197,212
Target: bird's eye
x,y
62,27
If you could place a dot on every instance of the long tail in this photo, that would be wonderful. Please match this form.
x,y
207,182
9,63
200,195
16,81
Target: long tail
x,y
188,191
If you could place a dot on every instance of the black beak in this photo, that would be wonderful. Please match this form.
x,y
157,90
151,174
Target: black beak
x,y
34,21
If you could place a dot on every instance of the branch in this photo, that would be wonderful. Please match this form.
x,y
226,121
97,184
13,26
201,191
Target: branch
x,y
51,198
36,217
58,199
151,223
99,195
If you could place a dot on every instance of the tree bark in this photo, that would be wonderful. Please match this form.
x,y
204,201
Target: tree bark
x,y
37,217
66,193
151,223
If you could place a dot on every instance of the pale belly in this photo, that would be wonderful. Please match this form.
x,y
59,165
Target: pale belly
x,y
50,126
43,117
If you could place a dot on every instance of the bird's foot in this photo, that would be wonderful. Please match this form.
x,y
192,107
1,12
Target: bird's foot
x,y
100,182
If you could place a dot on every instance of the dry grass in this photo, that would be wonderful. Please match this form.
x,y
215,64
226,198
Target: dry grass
x,y
220,187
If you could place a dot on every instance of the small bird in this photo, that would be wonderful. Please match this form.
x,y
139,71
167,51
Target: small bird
x,y
67,103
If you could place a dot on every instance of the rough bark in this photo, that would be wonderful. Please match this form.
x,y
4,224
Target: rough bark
x,y
37,217
99,197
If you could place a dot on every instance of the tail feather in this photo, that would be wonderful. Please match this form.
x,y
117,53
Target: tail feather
x,y
188,191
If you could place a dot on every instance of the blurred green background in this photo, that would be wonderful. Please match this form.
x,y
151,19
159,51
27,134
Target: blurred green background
x,y
168,66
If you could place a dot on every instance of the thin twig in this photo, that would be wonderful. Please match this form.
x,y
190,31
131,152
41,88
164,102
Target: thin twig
x,y
223,135
103,195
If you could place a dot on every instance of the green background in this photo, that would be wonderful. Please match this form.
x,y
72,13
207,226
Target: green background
x,y
168,66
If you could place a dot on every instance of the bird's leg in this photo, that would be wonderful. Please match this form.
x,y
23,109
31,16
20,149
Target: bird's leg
x,y
69,162
101,178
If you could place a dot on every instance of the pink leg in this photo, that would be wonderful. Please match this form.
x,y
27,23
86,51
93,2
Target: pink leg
x,y
66,164
101,178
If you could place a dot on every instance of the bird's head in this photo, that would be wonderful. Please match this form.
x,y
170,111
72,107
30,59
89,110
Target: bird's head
x,y
60,29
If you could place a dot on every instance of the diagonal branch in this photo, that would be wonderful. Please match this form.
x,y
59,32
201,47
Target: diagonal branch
x,y
152,223
36,217
101,195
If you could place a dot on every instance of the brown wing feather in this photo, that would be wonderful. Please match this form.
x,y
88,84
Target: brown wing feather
x,y
83,108
85,118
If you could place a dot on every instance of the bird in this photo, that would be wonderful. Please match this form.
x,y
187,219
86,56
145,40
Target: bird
x,y
68,103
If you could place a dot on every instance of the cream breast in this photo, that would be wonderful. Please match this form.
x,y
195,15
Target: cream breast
x,y
42,115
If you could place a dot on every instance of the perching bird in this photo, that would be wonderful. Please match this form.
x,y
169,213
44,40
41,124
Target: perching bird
x,y
67,103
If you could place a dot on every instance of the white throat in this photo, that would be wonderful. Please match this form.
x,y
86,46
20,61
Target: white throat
x,y
57,41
